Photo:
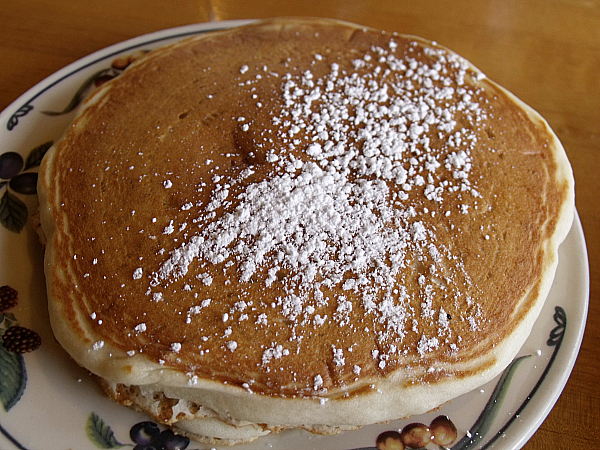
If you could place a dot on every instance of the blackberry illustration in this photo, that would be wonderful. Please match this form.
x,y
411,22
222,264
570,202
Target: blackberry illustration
x,y
8,298
11,164
147,436
19,339
171,441
144,433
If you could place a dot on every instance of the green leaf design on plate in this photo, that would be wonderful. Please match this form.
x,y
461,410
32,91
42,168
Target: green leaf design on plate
x,y
100,433
14,119
13,377
7,319
79,95
35,156
557,333
13,212
483,424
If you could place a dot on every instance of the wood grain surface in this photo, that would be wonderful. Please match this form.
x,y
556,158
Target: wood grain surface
x,y
547,52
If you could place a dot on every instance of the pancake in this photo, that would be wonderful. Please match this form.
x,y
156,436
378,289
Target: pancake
x,y
299,223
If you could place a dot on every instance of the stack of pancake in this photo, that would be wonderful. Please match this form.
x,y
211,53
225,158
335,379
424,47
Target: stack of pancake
x,y
299,223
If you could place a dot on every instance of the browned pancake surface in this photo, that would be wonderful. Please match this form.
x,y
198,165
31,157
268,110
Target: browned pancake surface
x,y
426,257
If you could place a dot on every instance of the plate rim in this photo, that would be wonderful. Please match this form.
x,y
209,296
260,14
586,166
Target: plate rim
x,y
577,227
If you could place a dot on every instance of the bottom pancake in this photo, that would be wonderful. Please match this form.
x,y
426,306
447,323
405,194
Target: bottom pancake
x,y
196,422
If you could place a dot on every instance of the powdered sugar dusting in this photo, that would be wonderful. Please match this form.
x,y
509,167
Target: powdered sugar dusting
x,y
333,212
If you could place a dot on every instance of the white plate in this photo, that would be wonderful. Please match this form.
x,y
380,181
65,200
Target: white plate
x,y
47,402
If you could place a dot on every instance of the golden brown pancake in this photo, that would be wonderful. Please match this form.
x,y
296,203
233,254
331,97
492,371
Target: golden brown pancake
x,y
300,223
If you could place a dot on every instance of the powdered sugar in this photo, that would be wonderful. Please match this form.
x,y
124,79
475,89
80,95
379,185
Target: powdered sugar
x,y
356,144
275,352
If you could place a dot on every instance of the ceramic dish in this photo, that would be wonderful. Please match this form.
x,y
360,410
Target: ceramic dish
x,y
48,402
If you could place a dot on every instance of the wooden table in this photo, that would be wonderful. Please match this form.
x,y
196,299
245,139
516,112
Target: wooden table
x,y
545,51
